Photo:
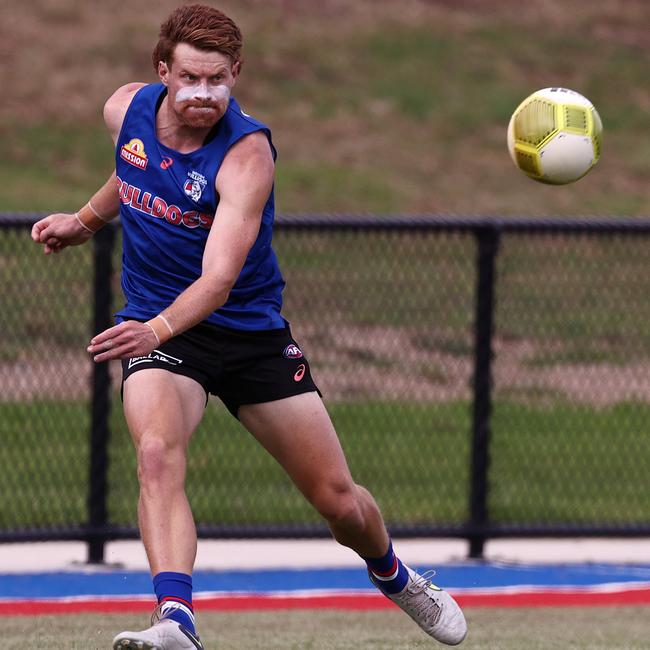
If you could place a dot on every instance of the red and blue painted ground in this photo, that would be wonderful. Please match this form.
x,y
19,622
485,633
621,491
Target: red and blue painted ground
x,y
474,585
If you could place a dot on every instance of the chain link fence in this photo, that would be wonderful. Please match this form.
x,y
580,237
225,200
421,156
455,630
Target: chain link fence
x,y
486,378
571,427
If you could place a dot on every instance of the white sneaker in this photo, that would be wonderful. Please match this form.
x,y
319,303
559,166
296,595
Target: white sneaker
x,y
164,634
433,609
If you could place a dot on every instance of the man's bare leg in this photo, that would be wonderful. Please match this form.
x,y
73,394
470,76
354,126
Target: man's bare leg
x,y
162,410
298,432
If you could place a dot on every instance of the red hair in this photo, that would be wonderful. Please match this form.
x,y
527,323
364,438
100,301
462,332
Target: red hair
x,y
203,27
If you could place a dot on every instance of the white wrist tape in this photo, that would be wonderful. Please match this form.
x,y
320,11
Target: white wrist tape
x,y
159,329
82,224
154,333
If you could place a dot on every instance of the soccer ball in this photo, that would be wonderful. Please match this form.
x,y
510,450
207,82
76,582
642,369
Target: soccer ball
x,y
555,136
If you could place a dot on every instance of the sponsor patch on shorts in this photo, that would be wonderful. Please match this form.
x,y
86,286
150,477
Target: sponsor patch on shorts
x,y
292,352
156,355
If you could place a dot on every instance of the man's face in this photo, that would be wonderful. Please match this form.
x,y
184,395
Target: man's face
x,y
199,84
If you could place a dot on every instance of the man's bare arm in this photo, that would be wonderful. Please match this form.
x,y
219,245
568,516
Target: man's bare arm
x,y
116,107
244,183
59,230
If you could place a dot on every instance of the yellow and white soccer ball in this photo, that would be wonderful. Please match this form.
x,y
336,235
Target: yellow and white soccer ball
x,y
555,136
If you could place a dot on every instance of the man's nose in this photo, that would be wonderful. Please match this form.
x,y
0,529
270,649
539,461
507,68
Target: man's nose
x,y
201,91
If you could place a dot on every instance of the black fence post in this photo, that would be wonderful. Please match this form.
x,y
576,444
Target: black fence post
x,y
103,242
488,244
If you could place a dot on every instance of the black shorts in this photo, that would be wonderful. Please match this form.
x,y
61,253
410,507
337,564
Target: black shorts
x,y
238,366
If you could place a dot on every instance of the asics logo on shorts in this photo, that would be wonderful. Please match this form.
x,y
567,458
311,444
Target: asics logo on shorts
x,y
300,373
156,355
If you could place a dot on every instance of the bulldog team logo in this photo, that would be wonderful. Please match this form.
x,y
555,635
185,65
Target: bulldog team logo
x,y
194,185
133,152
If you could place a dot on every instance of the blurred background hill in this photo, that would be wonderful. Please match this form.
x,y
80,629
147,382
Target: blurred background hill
x,y
375,105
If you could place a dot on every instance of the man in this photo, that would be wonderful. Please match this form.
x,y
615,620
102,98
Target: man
x,y
194,190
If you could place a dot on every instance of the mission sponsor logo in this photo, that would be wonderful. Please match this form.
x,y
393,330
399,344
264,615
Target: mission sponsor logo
x,y
157,207
133,152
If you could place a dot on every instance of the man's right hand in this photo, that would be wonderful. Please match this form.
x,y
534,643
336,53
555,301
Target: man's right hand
x,y
58,231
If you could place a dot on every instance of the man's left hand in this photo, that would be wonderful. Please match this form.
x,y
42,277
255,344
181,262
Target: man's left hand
x,y
128,339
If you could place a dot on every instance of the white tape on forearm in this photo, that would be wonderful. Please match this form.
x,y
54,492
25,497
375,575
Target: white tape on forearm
x,y
169,327
94,211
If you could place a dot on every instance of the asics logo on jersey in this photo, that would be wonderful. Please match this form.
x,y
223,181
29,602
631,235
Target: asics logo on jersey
x,y
158,208
166,163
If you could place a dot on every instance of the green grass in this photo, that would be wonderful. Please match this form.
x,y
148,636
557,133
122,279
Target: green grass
x,y
43,464
604,628
576,464
583,293
58,166
374,106
554,465
315,181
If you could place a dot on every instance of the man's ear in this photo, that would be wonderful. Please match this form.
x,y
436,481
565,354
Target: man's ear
x,y
163,72
236,69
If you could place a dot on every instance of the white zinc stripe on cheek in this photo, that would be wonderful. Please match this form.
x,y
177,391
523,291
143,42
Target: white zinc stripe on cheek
x,y
386,578
220,93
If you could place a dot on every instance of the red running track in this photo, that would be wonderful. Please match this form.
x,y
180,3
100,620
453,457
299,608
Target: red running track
x,y
346,601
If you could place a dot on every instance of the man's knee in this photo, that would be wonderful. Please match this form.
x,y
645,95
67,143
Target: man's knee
x,y
158,460
339,503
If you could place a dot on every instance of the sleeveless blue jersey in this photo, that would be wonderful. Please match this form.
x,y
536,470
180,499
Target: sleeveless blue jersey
x,y
168,204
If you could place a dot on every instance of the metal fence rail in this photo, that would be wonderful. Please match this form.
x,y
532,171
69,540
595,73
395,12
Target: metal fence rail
x,y
488,377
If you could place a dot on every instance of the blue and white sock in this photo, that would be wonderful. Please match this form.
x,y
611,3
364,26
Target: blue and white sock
x,y
174,593
388,571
